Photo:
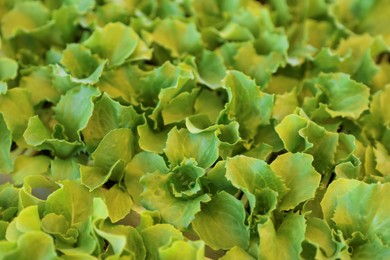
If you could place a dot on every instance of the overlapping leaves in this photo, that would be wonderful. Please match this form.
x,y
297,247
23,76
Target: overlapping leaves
x,y
184,129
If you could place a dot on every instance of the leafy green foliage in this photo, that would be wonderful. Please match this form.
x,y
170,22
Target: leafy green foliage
x,y
194,129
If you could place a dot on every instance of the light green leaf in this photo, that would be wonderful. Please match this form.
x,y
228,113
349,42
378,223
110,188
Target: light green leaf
x,y
158,236
39,85
216,179
55,224
8,201
247,104
6,164
120,143
74,110
288,131
344,97
65,24
123,82
3,87
28,220
99,210
211,69
179,107
38,135
94,177
166,33
181,144
183,250
35,190
62,169
123,239
326,61
63,76
108,115
324,242
142,163
354,206
165,83
221,223
25,17
82,6
16,108
285,104
6,247
150,140
209,104
374,249
118,202
229,137
33,245
8,69
165,193
300,177
115,42
324,147
72,200
27,166
235,33
258,67
79,61
300,134
283,242
237,253
380,113
250,174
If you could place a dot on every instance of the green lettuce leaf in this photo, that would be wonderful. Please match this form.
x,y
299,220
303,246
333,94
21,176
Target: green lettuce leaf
x,y
120,143
40,86
74,110
124,240
179,107
16,108
151,140
118,202
62,169
38,135
356,207
321,242
202,147
8,69
282,242
115,42
108,115
252,175
182,250
176,195
33,245
237,253
8,201
303,184
342,96
6,164
221,223
82,6
247,104
25,17
72,200
166,32
142,163
211,69
258,67
159,236
26,166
